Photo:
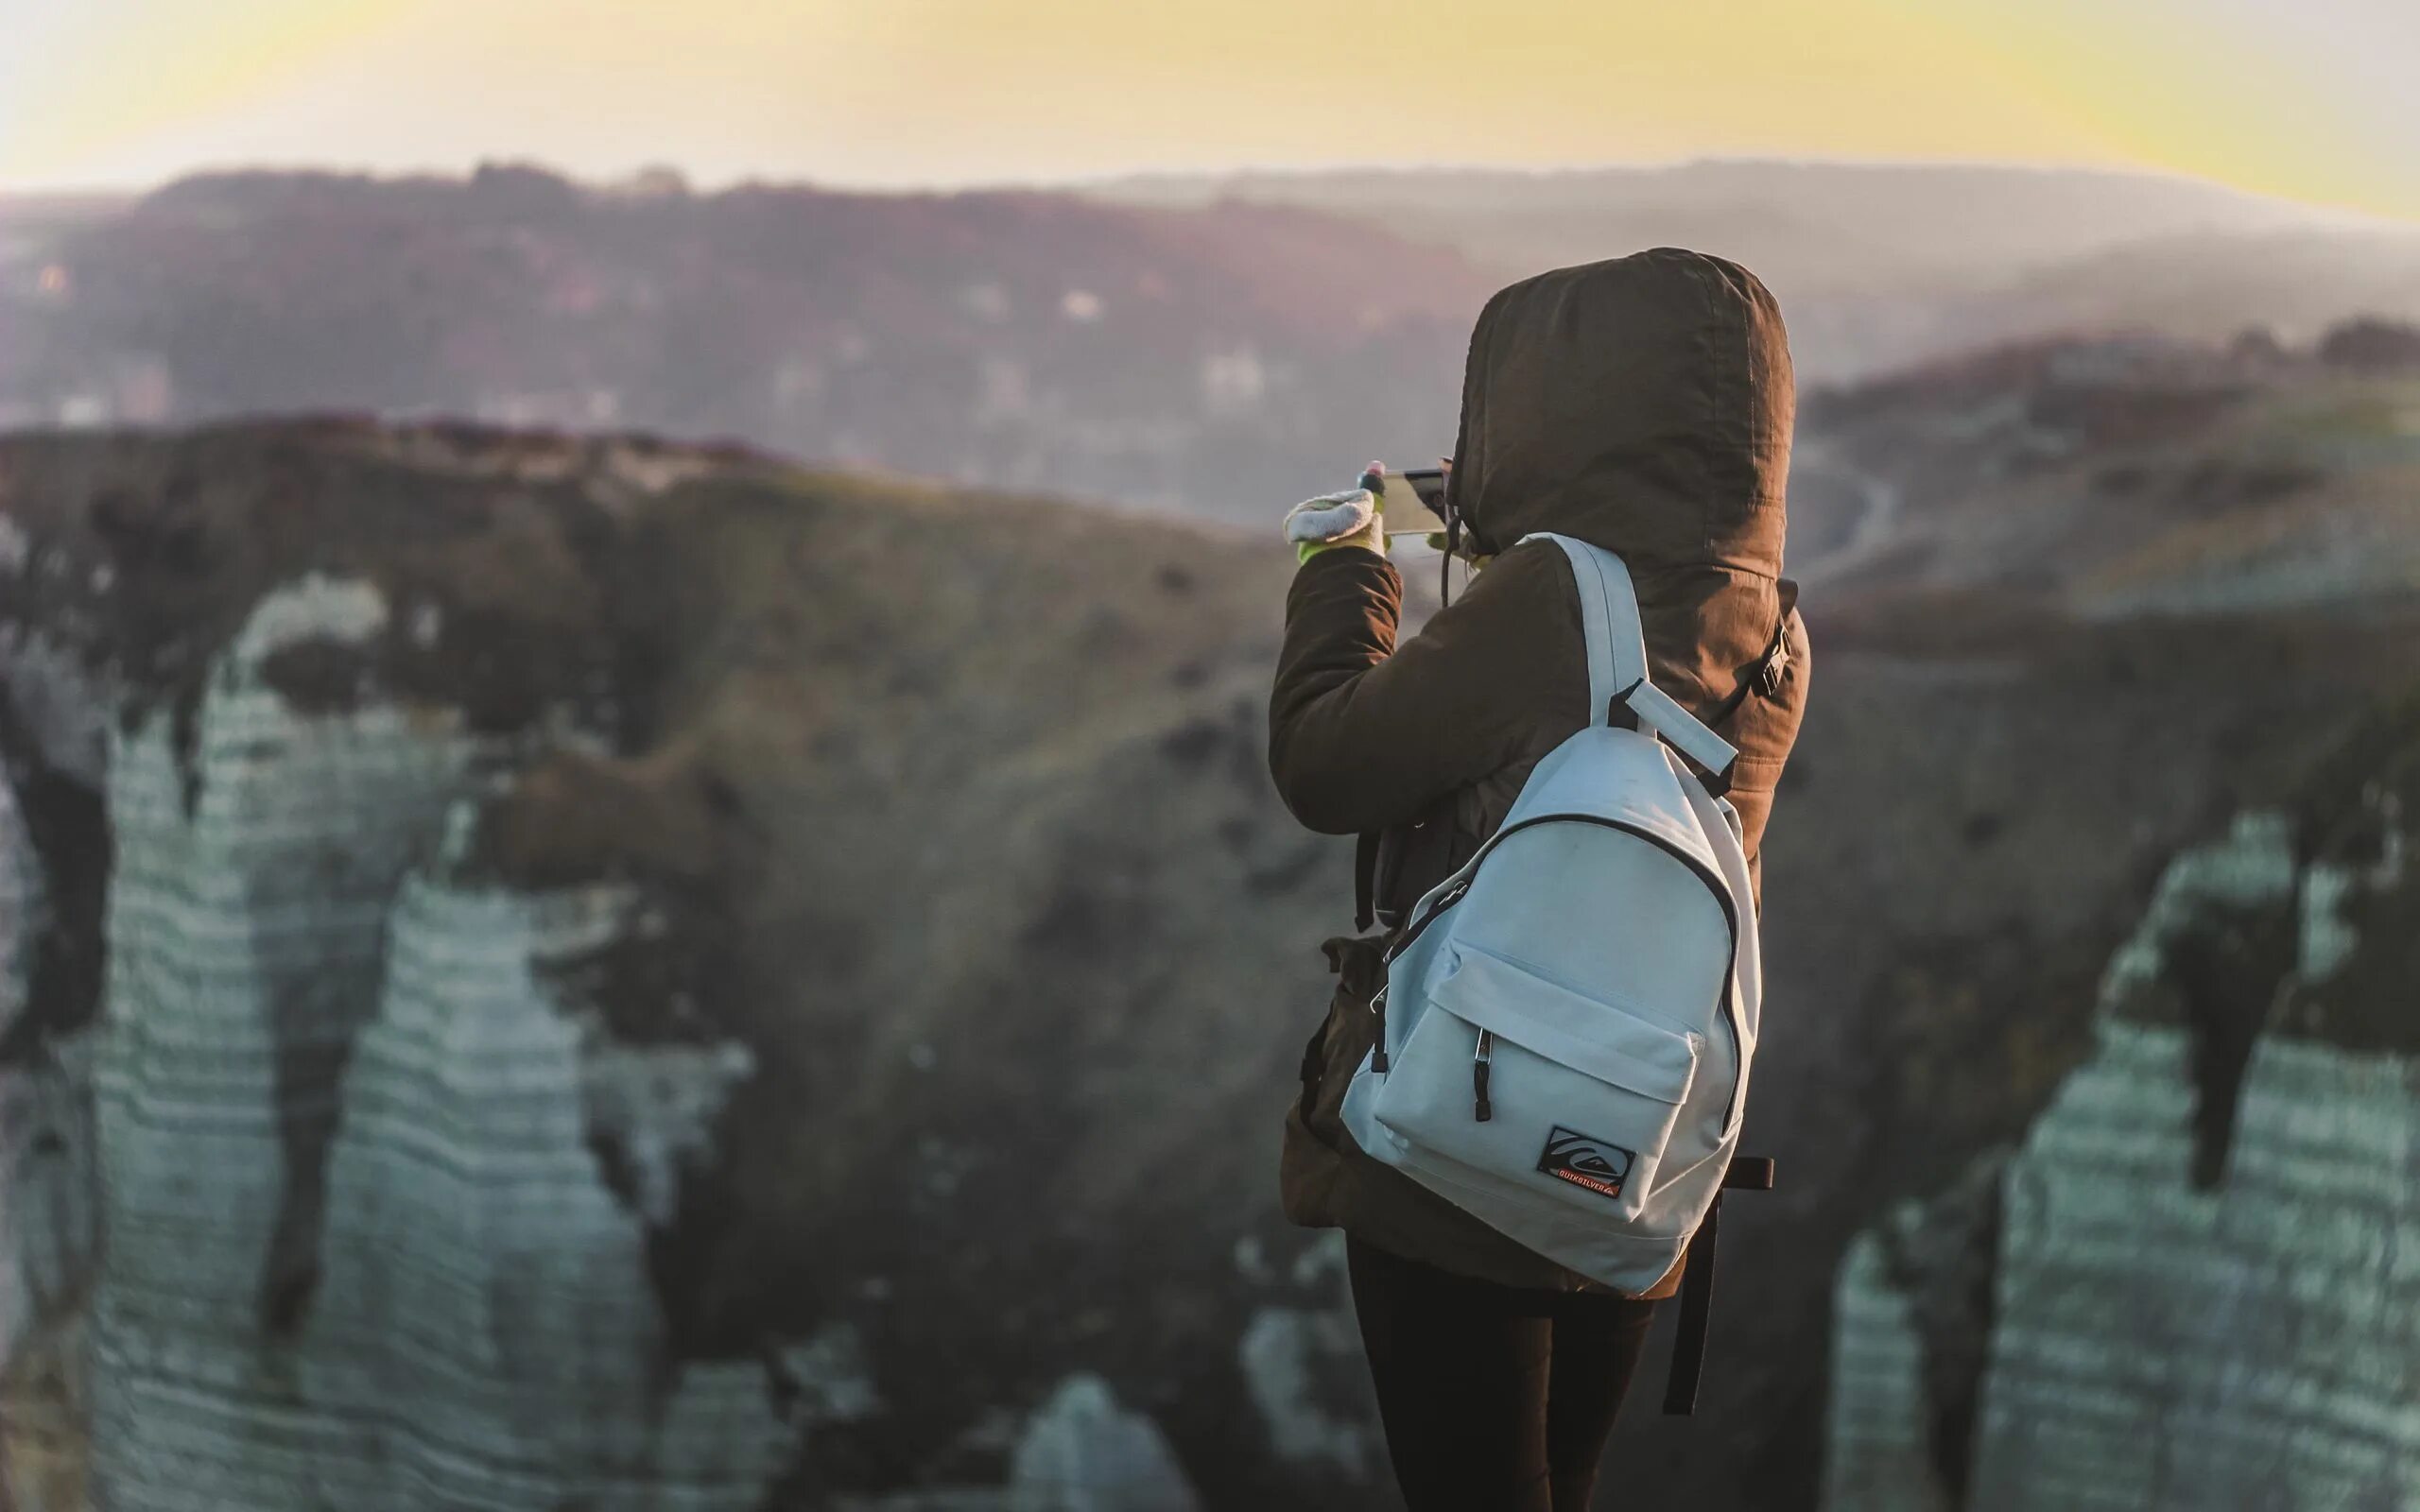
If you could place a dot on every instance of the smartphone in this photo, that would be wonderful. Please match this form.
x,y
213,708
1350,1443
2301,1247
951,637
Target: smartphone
x,y
1416,502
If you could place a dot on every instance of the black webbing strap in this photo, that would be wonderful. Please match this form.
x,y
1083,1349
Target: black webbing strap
x,y
1753,1173
1365,881
1765,679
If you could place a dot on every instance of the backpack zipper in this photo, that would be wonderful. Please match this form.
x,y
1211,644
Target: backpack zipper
x,y
1481,1108
1412,932
1379,1049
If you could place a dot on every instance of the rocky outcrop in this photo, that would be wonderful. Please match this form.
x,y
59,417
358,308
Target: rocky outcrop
x,y
423,1084
2198,1286
248,925
542,972
347,1144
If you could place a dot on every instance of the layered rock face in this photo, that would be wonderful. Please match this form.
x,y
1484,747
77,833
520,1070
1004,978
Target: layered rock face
x,y
2192,1283
343,1140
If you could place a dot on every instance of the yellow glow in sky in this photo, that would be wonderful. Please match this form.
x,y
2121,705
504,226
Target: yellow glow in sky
x,y
2310,100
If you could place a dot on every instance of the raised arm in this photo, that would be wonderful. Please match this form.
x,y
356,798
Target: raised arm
x,y
1364,733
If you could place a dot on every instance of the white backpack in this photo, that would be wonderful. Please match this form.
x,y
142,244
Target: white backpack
x,y
1568,1020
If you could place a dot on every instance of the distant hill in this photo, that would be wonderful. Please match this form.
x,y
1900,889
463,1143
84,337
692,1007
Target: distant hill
x,y
1217,348
2114,478
1816,224
1221,362
1879,266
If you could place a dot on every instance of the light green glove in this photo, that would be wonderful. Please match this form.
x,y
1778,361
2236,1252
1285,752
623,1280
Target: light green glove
x,y
1353,517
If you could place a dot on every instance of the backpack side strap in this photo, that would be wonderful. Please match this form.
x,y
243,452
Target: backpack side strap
x,y
1747,1173
1365,881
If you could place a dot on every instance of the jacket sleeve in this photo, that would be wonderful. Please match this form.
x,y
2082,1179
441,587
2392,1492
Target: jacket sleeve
x,y
1364,733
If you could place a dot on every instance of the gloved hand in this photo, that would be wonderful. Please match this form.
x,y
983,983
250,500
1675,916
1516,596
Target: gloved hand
x,y
1351,517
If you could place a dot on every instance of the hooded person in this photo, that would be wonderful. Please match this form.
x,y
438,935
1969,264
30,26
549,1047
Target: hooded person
x,y
1643,405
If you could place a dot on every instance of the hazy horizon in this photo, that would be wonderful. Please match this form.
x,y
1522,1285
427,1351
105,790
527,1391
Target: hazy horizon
x,y
1254,174
969,94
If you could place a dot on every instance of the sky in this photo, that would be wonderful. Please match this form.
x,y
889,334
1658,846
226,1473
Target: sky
x,y
2307,99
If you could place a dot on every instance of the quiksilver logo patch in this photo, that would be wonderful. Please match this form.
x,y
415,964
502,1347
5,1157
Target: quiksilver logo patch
x,y
1585,1160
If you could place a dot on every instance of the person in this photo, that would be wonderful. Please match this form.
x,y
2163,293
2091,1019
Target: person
x,y
1642,405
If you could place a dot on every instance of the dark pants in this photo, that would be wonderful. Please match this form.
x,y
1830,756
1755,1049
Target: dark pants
x,y
1494,1399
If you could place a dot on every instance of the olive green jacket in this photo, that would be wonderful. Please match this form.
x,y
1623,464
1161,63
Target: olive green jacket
x,y
1643,405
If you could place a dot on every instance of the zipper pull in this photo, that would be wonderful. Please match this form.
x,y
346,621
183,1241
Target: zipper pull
x,y
1379,1051
1480,1063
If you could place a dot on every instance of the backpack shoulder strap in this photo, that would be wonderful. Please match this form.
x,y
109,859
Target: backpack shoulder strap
x,y
1609,621
1617,672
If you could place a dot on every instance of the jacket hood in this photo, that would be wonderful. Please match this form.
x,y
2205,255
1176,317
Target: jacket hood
x,y
1642,405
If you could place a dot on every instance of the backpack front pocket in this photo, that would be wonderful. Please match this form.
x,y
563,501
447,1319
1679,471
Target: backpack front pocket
x,y
1565,1095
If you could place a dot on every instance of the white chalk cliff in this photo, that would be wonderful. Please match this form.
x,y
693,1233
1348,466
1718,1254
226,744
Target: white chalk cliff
x,y
2203,1260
